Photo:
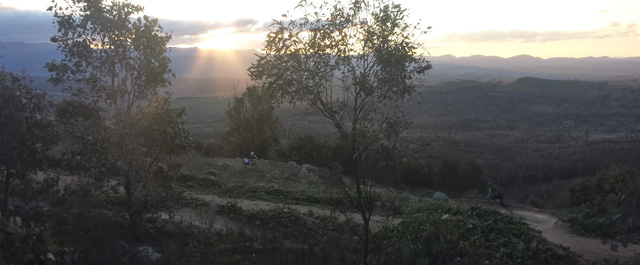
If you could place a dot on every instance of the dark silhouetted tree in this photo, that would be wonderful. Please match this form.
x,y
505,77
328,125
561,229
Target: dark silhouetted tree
x,y
27,132
115,58
114,54
352,63
253,126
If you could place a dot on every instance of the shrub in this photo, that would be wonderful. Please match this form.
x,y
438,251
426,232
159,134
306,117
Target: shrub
x,y
83,145
28,244
306,238
415,173
609,203
443,234
455,176
306,149
209,149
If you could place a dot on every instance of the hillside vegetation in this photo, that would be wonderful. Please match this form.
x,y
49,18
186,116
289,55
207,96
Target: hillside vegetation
x,y
548,129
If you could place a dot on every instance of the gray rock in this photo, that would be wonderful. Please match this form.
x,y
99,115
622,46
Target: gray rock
x,y
521,245
120,246
310,167
533,245
346,181
413,199
304,173
314,178
614,247
440,196
212,172
293,163
224,166
274,174
147,253
144,251
101,215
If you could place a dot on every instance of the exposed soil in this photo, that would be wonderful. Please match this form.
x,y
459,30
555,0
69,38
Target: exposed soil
x,y
195,216
593,251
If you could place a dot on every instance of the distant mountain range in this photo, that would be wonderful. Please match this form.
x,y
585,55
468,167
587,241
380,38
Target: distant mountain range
x,y
588,68
209,72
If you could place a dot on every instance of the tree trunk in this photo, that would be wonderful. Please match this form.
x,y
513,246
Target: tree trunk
x,y
362,207
5,201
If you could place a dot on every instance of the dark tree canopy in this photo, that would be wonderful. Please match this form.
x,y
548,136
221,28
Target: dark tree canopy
x,y
26,133
252,124
115,59
83,135
352,63
114,54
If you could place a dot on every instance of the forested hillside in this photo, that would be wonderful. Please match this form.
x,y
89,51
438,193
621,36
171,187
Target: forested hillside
x,y
528,130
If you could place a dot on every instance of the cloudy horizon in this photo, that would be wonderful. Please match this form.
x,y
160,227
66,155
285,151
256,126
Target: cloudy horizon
x,y
493,28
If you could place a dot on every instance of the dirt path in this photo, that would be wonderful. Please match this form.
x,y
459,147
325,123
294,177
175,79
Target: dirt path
x,y
592,250
196,217
558,232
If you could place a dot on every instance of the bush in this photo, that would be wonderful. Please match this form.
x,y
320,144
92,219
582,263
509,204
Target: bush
x,y
83,145
443,234
28,244
415,173
209,149
609,203
306,238
306,149
455,176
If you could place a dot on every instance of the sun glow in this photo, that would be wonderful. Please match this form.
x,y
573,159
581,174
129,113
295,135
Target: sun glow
x,y
228,39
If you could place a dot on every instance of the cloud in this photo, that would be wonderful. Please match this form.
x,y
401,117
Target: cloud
x,y
26,26
34,27
614,29
189,28
193,28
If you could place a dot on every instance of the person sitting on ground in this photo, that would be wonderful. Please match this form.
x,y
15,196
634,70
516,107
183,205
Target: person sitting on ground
x,y
495,193
245,161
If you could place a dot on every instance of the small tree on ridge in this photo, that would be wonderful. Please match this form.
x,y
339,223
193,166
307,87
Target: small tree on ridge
x,y
352,64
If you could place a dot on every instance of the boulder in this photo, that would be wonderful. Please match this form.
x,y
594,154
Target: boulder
x,y
440,196
346,181
413,199
212,172
310,167
100,215
314,178
147,252
224,166
293,163
304,173
521,245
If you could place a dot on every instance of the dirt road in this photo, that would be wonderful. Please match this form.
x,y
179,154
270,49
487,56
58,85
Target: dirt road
x,y
560,233
592,250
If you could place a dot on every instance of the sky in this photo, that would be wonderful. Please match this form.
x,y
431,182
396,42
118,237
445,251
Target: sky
x,y
505,28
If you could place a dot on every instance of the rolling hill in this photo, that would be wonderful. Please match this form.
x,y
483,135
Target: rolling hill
x,y
222,73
